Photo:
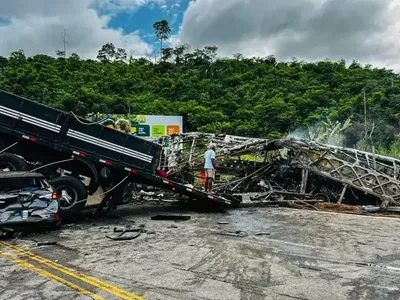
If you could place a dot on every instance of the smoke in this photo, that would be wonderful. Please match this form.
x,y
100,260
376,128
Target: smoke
x,y
327,132
300,133
336,139
377,134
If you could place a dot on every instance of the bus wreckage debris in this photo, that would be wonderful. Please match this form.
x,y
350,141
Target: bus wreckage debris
x,y
285,169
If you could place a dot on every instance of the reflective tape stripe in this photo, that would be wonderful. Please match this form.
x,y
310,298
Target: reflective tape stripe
x,y
29,119
110,146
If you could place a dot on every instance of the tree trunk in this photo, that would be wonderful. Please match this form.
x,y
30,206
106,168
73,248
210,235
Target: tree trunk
x,y
161,55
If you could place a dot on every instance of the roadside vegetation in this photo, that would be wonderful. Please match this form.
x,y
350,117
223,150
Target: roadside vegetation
x,y
258,97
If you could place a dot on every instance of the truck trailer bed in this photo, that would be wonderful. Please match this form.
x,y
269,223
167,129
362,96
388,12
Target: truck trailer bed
x,y
64,133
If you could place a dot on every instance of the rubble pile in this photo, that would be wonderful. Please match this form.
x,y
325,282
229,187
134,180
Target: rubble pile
x,y
284,169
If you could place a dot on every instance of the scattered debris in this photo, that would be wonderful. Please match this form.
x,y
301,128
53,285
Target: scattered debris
x,y
309,267
126,229
342,208
237,233
393,209
370,209
122,231
262,233
286,169
46,243
170,218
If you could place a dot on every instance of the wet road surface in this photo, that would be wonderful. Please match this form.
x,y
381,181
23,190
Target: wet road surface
x,y
277,254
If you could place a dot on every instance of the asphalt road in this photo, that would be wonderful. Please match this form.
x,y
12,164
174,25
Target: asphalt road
x,y
301,255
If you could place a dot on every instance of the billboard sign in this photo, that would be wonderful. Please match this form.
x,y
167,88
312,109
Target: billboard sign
x,y
145,126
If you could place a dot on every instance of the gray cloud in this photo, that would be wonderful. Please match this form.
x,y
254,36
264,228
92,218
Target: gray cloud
x,y
37,26
364,30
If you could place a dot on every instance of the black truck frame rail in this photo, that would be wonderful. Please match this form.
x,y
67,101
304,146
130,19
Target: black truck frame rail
x,y
47,135
64,132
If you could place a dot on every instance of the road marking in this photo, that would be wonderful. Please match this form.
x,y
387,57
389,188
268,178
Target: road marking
x,y
72,273
51,276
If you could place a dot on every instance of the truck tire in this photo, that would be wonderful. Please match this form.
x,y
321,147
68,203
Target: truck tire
x,y
12,162
72,194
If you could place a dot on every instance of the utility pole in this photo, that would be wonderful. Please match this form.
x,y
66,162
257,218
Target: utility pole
x,y
365,111
65,42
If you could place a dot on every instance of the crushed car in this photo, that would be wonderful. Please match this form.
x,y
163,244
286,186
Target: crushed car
x,y
27,201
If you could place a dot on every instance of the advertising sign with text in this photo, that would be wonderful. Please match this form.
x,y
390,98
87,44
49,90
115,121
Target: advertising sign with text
x,y
142,125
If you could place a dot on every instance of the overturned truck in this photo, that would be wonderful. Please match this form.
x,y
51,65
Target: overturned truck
x,y
286,169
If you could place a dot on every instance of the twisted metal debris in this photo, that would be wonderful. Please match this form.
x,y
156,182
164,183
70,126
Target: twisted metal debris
x,y
286,168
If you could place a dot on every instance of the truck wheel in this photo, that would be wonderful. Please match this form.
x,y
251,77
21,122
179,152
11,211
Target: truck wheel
x,y
11,162
72,194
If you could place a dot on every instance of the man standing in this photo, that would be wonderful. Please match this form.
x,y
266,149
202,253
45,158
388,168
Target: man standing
x,y
209,167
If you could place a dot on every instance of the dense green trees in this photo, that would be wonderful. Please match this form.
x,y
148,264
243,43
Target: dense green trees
x,y
258,97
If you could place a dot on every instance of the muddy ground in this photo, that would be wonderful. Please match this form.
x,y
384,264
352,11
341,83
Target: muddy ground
x,y
301,255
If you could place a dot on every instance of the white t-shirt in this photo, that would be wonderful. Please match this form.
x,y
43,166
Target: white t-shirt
x,y
210,154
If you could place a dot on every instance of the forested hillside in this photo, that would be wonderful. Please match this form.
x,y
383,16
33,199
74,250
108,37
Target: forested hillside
x,y
258,97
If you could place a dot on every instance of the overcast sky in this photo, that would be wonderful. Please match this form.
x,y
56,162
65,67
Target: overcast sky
x,y
365,30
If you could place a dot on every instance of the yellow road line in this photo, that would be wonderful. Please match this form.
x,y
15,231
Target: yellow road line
x,y
49,275
77,275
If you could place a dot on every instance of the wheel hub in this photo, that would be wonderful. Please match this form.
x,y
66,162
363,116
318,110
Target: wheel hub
x,y
68,196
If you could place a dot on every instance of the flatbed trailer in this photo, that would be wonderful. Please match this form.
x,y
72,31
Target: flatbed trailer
x,y
33,135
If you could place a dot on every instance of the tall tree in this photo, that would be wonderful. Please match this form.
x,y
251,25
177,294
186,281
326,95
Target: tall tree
x,y
179,52
120,54
238,56
162,31
107,52
167,53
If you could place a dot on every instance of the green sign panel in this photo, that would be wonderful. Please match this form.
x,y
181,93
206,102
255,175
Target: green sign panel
x,y
143,130
157,130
